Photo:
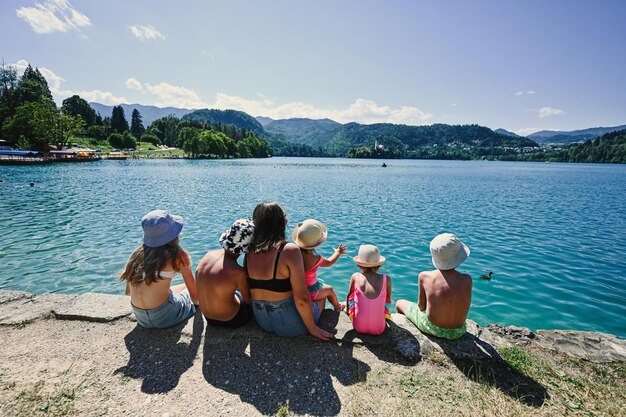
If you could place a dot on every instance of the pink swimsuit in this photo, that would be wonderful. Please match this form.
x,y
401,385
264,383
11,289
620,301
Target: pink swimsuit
x,y
314,285
368,314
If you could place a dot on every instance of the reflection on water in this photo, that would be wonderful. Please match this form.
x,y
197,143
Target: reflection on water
x,y
553,234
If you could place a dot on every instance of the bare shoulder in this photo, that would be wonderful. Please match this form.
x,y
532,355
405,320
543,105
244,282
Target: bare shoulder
x,y
467,279
426,275
292,250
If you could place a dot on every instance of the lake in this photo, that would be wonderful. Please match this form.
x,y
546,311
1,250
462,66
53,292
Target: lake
x,y
553,234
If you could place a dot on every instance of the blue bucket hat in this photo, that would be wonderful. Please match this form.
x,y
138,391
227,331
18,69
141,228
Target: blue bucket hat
x,y
159,228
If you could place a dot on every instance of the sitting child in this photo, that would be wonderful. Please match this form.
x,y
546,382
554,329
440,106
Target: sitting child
x,y
445,295
150,269
369,292
308,235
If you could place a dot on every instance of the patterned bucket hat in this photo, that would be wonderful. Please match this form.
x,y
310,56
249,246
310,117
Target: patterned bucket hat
x,y
237,238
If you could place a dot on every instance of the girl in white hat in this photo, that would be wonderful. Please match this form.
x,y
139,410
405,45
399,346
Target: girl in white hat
x,y
309,235
369,292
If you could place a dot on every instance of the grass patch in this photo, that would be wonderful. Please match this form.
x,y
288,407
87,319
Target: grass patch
x,y
23,323
34,402
438,359
411,384
283,410
517,358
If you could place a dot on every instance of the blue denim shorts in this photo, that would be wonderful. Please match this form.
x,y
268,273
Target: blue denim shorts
x,y
176,309
282,317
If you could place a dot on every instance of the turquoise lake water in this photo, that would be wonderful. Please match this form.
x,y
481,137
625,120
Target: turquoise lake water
x,y
553,234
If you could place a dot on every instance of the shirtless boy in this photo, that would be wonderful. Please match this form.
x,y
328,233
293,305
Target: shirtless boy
x,y
445,295
221,283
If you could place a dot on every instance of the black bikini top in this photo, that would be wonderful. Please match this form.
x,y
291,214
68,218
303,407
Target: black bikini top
x,y
274,284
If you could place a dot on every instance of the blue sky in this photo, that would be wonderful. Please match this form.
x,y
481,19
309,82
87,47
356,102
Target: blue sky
x,y
523,66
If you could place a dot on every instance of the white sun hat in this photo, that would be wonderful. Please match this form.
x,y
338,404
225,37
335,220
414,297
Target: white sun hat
x,y
448,251
369,256
309,234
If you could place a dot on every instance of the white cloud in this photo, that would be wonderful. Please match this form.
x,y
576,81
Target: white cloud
x,y
363,111
133,84
527,131
55,81
53,16
146,33
549,111
103,97
172,95
524,93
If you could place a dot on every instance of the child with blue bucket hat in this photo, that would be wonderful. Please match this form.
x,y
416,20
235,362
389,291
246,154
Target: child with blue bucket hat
x,y
150,269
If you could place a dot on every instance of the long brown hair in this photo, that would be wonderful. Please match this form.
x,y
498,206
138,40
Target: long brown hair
x,y
145,264
270,221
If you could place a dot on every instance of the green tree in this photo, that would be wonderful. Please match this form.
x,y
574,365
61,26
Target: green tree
x,y
76,106
8,83
129,141
96,132
119,124
64,127
136,124
150,137
116,140
167,128
32,86
22,143
191,141
34,121
214,143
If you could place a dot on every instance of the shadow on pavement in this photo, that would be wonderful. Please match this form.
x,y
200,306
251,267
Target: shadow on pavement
x,y
480,362
269,372
159,357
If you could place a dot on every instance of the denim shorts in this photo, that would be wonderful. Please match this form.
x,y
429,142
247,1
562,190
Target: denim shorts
x,y
282,317
176,309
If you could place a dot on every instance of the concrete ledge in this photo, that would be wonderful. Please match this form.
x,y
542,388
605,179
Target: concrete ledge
x,y
31,307
94,307
591,346
478,344
8,296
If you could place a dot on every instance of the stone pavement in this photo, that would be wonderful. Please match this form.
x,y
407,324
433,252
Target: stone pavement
x,y
478,344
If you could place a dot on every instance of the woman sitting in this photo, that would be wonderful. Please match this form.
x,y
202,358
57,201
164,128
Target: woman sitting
x,y
280,298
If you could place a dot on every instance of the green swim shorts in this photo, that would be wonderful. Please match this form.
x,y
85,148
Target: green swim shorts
x,y
418,318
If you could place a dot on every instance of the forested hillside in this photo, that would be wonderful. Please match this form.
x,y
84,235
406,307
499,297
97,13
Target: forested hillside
x,y
609,148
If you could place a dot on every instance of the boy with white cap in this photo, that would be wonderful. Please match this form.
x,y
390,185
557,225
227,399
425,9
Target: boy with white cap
x,y
222,284
445,295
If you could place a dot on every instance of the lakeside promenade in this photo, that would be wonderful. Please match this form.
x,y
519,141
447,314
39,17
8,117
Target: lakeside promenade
x,y
85,355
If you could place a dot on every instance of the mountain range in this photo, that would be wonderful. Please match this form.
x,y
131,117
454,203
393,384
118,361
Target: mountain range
x,y
556,136
148,113
328,134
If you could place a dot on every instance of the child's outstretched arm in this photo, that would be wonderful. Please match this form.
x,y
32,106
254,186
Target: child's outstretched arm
x,y
338,252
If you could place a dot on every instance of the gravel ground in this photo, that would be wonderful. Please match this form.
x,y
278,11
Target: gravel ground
x,y
123,369
52,367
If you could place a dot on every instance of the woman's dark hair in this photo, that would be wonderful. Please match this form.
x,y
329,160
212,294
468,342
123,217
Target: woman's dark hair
x,y
145,263
270,221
